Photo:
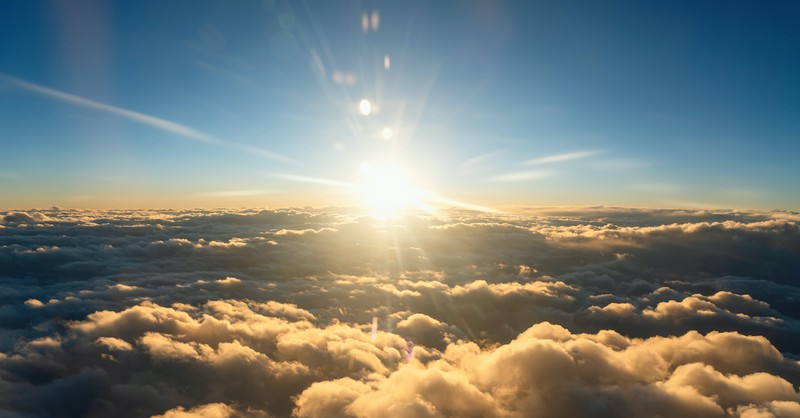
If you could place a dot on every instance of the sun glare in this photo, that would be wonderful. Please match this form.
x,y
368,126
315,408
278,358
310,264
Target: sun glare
x,y
387,190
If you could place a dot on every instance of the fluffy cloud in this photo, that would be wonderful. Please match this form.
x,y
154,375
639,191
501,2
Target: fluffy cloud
x,y
562,312
212,410
548,371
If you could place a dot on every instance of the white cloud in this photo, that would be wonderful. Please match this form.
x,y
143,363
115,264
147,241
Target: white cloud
x,y
144,119
470,162
522,176
155,122
567,156
234,193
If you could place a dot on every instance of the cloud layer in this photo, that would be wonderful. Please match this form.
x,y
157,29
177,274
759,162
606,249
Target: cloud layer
x,y
312,313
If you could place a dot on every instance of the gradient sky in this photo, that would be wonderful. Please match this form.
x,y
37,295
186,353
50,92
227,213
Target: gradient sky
x,y
230,103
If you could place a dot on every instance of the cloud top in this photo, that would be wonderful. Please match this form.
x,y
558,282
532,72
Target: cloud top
x,y
312,313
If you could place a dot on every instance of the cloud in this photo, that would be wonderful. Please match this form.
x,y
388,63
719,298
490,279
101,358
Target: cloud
x,y
522,176
211,410
558,158
114,343
549,371
152,121
34,303
234,193
314,180
141,118
322,312
471,162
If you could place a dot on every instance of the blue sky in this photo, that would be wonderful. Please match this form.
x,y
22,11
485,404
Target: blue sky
x,y
230,103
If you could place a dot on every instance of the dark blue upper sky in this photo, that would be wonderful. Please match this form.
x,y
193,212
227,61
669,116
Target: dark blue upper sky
x,y
220,103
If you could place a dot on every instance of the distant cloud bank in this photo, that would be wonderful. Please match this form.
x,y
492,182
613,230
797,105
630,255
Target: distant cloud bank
x,y
588,312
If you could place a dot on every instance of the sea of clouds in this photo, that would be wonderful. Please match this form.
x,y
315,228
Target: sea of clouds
x,y
586,312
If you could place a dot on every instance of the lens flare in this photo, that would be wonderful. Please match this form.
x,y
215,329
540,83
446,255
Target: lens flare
x,y
387,133
365,107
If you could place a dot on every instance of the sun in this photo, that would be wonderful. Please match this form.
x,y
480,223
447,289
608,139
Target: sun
x,y
387,189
